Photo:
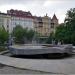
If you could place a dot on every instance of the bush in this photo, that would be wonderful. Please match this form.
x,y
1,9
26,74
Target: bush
x,y
50,38
2,48
3,35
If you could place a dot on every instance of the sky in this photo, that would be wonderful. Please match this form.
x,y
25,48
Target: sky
x,y
40,7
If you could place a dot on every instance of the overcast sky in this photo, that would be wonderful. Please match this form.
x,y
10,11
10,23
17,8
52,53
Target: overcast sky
x,y
39,7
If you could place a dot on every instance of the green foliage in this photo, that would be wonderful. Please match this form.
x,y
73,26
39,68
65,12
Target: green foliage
x,y
3,35
50,38
22,35
66,31
3,48
60,31
71,13
30,34
18,33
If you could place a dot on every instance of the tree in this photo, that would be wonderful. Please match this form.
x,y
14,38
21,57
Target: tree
x,y
70,25
18,33
50,38
70,19
3,36
22,35
66,32
59,33
30,34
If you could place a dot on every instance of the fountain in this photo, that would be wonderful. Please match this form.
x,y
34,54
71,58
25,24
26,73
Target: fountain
x,y
37,49
29,49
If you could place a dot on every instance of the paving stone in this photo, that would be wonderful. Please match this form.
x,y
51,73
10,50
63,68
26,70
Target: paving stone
x,y
66,66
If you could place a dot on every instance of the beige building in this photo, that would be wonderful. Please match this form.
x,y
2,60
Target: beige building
x,y
16,17
38,25
5,21
54,23
45,25
42,25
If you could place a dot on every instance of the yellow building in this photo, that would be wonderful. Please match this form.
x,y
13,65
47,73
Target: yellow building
x,y
38,25
45,25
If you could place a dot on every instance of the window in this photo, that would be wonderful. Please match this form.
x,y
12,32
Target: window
x,y
52,25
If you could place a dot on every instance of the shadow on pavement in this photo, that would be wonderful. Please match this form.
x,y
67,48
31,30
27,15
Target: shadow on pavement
x,y
43,56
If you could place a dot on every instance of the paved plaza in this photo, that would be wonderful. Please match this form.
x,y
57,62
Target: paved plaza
x,y
58,66
12,70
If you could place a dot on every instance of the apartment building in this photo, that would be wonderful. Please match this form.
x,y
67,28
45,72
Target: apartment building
x,y
42,25
45,25
5,21
19,17
38,24
54,23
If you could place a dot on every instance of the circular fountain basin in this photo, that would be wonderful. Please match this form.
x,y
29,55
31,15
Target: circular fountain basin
x,y
38,49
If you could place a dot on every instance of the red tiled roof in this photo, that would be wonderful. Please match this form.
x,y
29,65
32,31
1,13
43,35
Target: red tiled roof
x,y
19,13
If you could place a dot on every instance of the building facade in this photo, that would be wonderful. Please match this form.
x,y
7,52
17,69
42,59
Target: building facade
x,y
5,21
42,25
54,23
38,24
45,25
18,17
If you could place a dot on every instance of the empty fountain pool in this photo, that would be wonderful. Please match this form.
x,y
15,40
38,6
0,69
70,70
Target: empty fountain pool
x,y
30,49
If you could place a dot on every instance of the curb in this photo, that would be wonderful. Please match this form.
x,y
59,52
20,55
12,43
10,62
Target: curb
x,y
4,52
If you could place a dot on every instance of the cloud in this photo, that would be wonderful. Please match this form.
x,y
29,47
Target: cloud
x,y
5,2
51,2
39,7
25,2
